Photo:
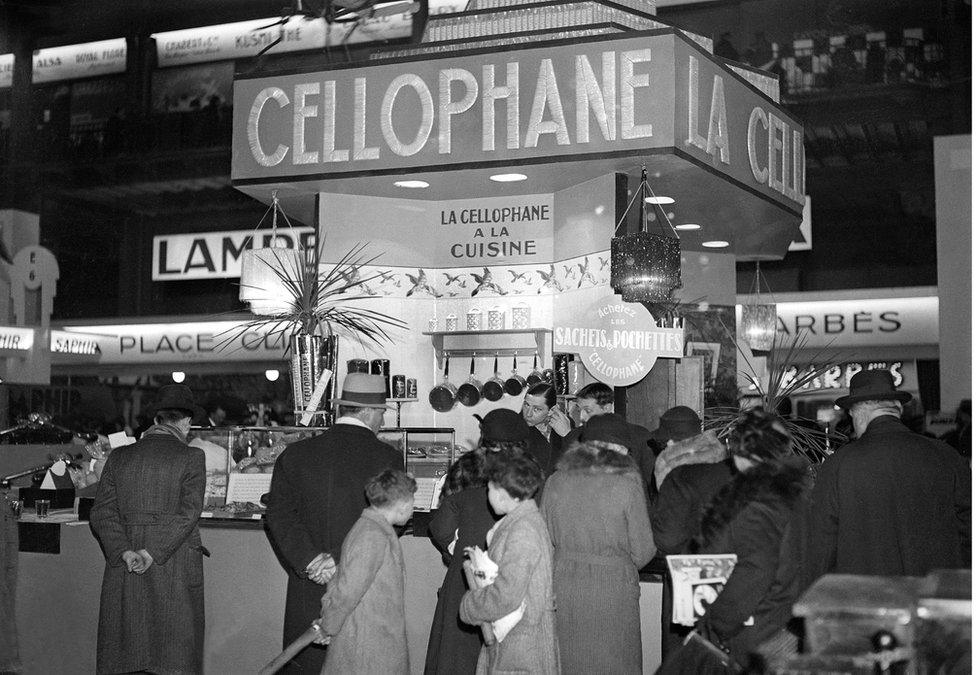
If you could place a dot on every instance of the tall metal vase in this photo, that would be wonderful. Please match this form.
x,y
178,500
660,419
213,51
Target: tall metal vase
x,y
310,355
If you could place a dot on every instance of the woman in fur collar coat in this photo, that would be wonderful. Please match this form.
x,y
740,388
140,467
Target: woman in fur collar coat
x,y
595,507
760,516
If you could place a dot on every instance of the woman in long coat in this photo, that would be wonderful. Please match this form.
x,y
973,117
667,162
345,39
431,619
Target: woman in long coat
x,y
760,516
463,519
595,507
149,500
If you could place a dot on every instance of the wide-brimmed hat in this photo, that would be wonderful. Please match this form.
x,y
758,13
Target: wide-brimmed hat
x,y
872,385
502,424
677,424
609,428
362,390
177,397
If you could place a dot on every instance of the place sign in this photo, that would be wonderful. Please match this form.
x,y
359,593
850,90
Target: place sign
x,y
618,342
217,255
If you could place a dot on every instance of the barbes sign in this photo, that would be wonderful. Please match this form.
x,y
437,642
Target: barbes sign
x,y
618,341
217,255
619,96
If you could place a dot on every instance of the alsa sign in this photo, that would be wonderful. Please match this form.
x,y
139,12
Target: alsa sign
x,y
217,255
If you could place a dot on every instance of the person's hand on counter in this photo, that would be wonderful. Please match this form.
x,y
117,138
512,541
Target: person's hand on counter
x,y
321,569
559,421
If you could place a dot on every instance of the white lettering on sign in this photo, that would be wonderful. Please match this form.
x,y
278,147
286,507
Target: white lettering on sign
x,y
68,343
311,104
217,255
839,375
717,139
776,154
79,60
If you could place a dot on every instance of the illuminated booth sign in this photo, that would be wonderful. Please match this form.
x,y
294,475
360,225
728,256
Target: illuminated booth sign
x,y
69,62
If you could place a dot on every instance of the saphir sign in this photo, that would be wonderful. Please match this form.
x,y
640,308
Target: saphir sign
x,y
617,341
217,255
618,96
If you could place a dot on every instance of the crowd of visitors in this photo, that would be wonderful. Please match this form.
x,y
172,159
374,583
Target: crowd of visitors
x,y
543,529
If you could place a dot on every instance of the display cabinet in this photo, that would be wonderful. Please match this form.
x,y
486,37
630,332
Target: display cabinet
x,y
240,462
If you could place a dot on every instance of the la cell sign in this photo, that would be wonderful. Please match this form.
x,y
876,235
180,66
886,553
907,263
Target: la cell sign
x,y
618,341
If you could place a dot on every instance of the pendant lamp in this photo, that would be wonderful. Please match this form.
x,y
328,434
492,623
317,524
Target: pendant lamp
x,y
265,272
758,323
645,267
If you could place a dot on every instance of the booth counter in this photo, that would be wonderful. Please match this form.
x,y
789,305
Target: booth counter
x,y
58,602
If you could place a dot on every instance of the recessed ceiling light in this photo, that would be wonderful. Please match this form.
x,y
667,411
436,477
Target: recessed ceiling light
x,y
718,243
412,184
508,177
688,226
659,200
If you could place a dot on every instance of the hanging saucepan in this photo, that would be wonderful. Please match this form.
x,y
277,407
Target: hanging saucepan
x,y
515,384
548,375
535,377
443,396
469,393
494,389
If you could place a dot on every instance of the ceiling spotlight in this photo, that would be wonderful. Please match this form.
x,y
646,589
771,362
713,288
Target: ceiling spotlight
x,y
659,200
412,184
272,374
178,376
688,226
508,177
718,243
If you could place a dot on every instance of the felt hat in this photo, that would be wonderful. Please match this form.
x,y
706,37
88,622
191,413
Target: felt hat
x,y
609,428
362,390
177,397
677,424
872,385
502,424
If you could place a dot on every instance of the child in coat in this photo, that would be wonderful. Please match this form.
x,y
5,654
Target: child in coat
x,y
519,544
363,616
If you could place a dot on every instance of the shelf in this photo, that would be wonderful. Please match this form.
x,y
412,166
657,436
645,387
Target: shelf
x,y
487,343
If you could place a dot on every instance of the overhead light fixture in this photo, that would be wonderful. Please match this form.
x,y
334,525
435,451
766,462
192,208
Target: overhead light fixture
x,y
687,227
508,177
178,376
659,200
272,374
412,184
717,243
758,324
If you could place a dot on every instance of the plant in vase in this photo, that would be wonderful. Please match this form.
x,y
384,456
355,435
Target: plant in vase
x,y
307,305
786,374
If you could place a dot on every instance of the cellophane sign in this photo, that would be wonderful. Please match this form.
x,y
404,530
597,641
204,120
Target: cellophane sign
x,y
617,341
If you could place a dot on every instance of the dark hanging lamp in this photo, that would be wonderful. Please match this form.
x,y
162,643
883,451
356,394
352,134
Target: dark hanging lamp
x,y
645,267
758,323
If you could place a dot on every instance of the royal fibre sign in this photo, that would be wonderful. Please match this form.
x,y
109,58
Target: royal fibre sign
x,y
627,96
217,255
617,341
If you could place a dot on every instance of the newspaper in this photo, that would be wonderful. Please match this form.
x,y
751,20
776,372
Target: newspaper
x,y
697,579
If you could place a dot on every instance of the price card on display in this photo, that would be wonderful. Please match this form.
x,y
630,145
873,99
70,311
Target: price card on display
x,y
248,487
423,498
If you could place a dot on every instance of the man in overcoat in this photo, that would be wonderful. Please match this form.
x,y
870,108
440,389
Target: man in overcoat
x,y
145,515
316,497
892,502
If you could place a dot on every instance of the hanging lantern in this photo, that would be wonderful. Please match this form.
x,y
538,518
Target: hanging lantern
x,y
758,323
758,326
265,277
645,267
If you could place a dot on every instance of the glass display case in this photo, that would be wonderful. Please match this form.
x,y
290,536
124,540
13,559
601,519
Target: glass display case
x,y
240,462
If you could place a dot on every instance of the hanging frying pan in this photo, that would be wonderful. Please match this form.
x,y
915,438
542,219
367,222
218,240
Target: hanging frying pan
x,y
548,375
494,389
515,384
469,393
535,377
443,396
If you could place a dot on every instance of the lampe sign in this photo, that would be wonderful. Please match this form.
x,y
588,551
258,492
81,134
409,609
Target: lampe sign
x,y
614,95
618,341
217,255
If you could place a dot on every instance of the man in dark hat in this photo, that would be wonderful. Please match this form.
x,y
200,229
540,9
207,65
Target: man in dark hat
x,y
502,428
891,502
145,515
316,497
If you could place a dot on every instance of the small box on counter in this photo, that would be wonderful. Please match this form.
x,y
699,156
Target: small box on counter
x,y
60,499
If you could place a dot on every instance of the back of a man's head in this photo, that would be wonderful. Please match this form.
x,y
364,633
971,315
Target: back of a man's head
x,y
597,391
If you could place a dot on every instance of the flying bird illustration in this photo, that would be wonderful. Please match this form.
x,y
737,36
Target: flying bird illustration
x,y
485,283
584,268
452,279
569,271
520,276
549,279
352,278
603,263
420,284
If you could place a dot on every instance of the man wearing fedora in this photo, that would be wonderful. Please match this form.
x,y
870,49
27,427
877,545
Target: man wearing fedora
x,y
145,516
891,502
317,494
